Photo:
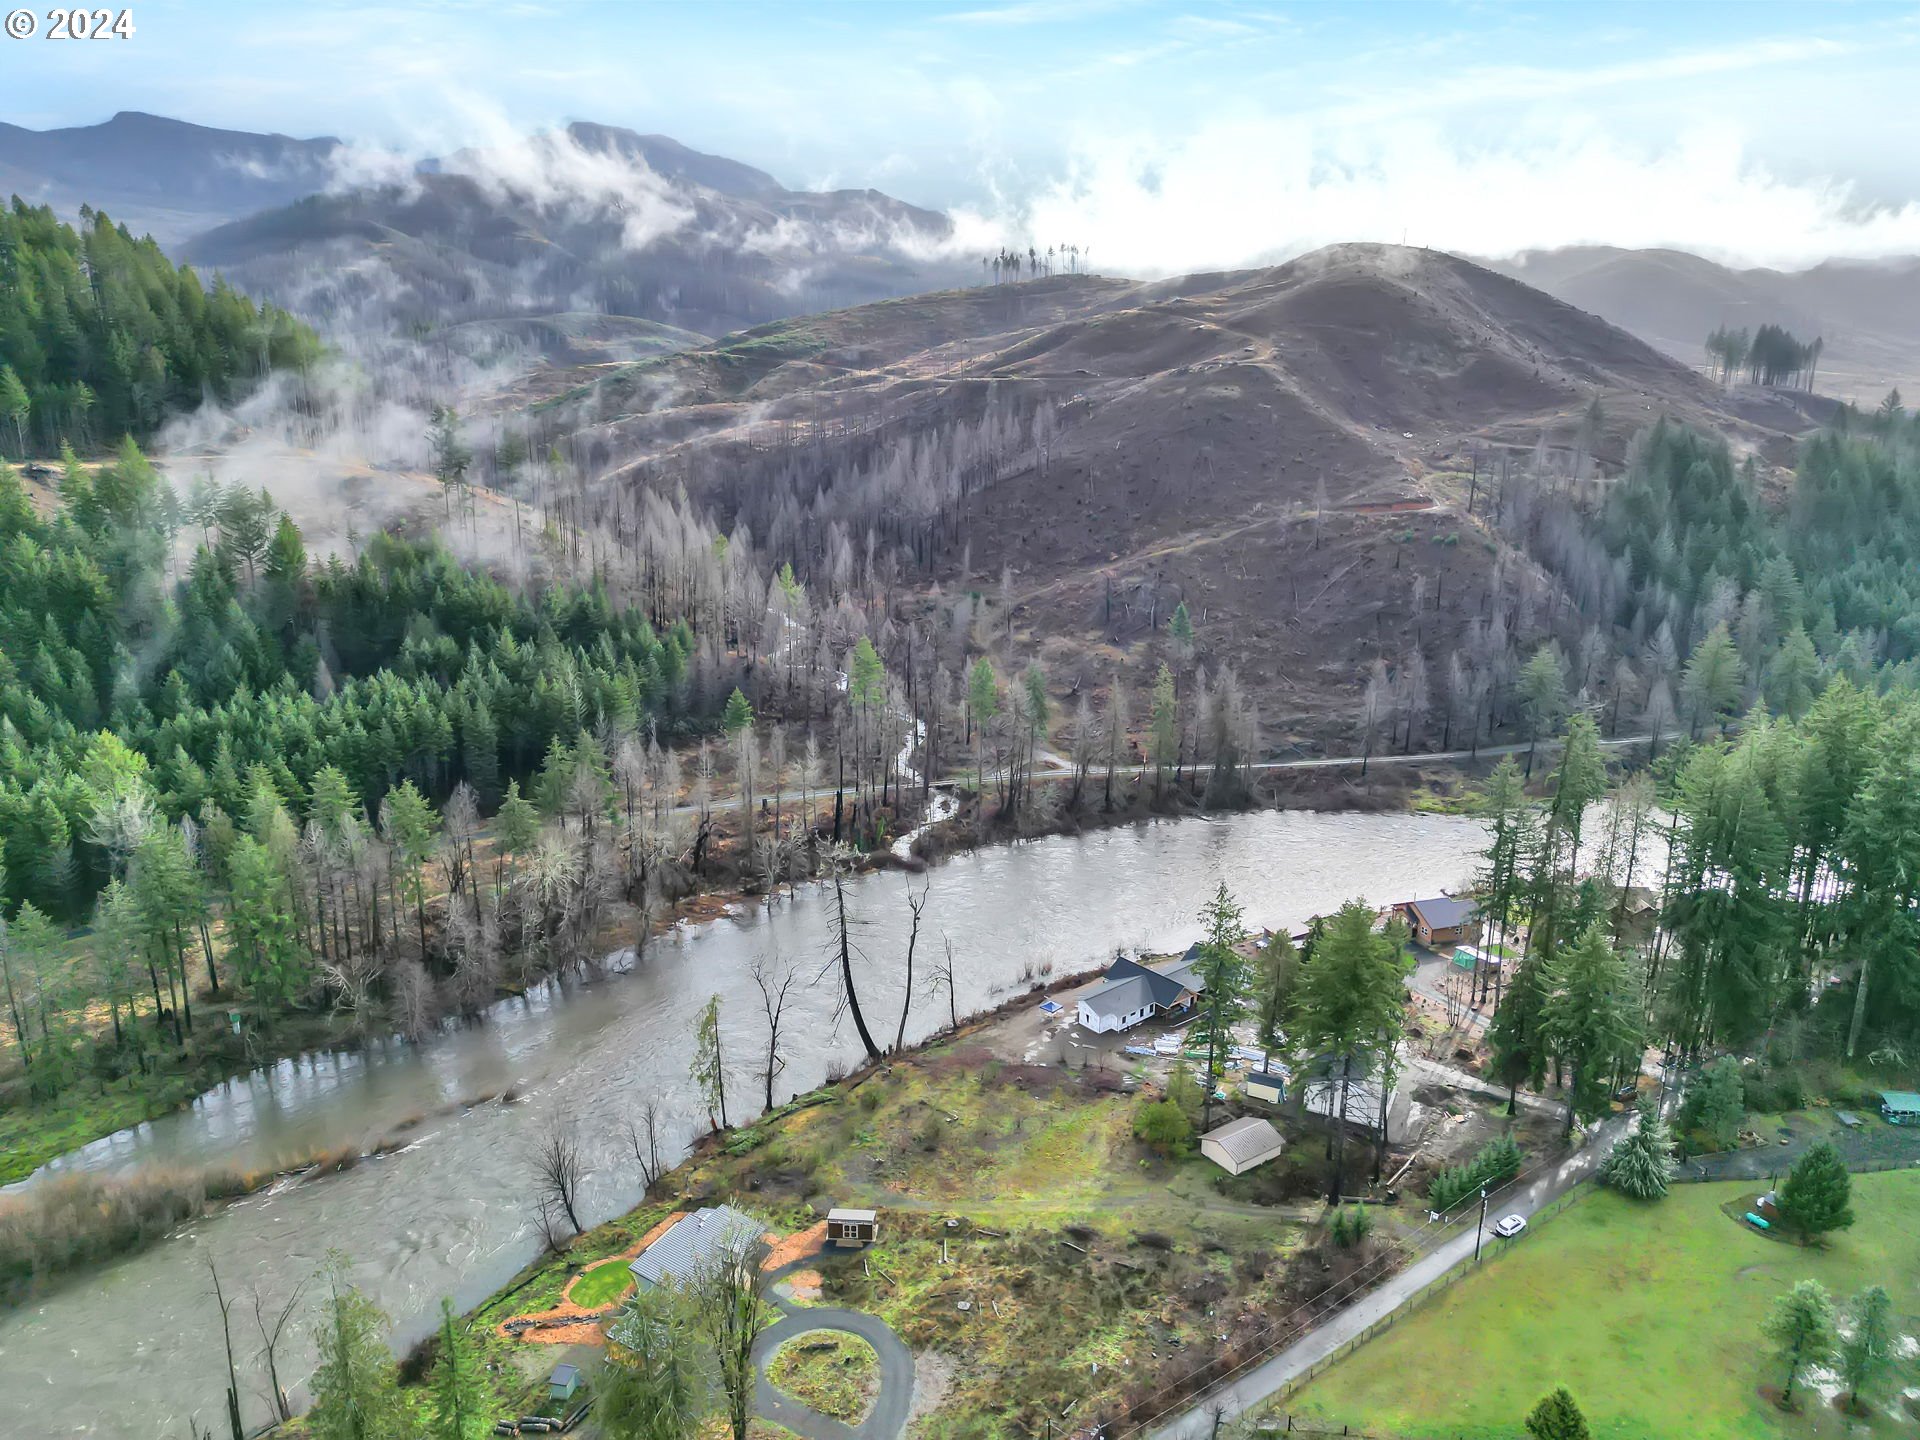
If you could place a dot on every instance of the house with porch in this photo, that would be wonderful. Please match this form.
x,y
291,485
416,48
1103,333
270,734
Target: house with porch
x,y
1134,992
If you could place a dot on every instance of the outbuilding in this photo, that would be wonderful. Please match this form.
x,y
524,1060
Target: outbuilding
x,y
1900,1107
1266,1085
564,1381
1241,1145
851,1229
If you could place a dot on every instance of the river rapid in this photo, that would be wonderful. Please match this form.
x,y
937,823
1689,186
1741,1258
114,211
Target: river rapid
x,y
133,1351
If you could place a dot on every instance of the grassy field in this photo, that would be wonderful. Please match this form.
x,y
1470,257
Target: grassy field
x,y
832,1372
1651,1315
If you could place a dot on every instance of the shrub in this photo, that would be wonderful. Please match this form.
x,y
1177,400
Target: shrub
x,y
1497,1163
870,1098
1162,1126
1351,1225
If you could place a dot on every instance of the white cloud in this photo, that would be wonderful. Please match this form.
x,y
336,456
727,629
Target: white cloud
x,y
1255,188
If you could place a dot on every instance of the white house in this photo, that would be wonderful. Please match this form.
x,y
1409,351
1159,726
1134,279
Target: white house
x,y
1240,1145
1134,993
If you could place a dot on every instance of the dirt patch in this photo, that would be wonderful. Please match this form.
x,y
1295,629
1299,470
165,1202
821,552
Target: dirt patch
x,y
786,1249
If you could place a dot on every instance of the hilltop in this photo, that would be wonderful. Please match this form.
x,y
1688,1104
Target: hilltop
x,y
1300,455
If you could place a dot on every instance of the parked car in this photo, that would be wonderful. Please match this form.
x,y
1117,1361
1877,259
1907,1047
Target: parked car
x,y
1509,1226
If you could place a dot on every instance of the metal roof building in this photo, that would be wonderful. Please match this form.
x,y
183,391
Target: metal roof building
x,y
691,1241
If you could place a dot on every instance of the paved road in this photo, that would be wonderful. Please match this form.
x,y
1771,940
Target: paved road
x,y
885,1421
1257,1384
1876,1144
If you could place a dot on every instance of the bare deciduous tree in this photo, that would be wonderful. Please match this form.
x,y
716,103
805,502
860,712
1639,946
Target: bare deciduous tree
x,y
915,904
558,1168
729,1295
643,1138
775,980
271,1333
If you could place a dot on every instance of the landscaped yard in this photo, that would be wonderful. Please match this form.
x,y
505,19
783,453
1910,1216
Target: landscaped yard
x,y
1651,1315
602,1285
830,1371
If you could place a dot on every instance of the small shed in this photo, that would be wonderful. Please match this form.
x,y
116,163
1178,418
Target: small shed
x,y
1240,1145
852,1229
1900,1107
1267,1085
564,1381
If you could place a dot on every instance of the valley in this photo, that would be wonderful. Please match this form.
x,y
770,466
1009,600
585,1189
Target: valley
x,y
1088,724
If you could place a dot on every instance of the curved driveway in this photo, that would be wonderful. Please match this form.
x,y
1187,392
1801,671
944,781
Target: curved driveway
x,y
885,1421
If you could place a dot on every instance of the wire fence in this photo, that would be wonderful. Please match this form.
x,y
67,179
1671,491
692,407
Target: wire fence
x,y
1439,1285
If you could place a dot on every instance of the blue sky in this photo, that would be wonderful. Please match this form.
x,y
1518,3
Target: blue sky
x,y
1180,135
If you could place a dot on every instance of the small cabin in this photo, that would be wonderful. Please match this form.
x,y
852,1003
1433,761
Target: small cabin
x,y
1900,1107
564,1381
852,1229
1266,1085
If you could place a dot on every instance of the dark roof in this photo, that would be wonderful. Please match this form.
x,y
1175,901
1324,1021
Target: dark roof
x,y
564,1374
1120,997
1442,912
1267,1077
1164,986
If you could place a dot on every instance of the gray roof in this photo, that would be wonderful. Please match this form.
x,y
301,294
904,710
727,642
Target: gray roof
x,y
1443,912
1165,986
562,1373
1246,1139
1120,997
692,1240
843,1212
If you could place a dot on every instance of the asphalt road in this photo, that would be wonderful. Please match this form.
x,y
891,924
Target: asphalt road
x,y
1254,1386
885,1421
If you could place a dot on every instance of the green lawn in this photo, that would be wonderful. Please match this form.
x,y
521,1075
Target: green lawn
x,y
1650,1314
602,1285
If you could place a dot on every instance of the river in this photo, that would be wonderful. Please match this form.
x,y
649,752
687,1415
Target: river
x,y
133,1350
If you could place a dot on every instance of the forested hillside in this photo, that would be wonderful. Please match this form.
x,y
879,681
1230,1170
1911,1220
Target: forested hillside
x,y
1730,595
257,743
101,336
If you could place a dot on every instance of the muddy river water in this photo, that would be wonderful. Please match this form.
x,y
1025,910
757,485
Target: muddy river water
x,y
133,1351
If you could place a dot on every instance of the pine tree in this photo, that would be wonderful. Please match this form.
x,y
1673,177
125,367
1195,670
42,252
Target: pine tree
x,y
356,1392
1222,970
1557,1417
1641,1164
460,1404
1870,1355
739,714
1801,1324
1592,1021
1817,1195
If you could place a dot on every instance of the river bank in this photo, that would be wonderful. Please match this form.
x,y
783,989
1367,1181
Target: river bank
x,y
448,1215
32,1135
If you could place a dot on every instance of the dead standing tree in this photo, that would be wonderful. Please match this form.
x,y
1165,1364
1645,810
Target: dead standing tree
x,y
915,904
775,981
271,1334
843,953
643,1139
558,1168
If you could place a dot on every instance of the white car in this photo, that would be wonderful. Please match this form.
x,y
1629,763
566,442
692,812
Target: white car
x,y
1509,1226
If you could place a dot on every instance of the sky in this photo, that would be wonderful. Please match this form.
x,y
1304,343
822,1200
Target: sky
x,y
1164,136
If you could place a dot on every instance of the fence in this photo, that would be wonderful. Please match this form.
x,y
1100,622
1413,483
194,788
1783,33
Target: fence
x,y
1438,1285
1212,1377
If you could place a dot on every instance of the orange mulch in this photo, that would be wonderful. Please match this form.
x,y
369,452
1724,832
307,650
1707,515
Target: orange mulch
x,y
587,1331
797,1246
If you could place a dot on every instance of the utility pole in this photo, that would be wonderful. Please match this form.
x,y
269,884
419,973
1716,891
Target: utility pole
x,y
1480,1229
